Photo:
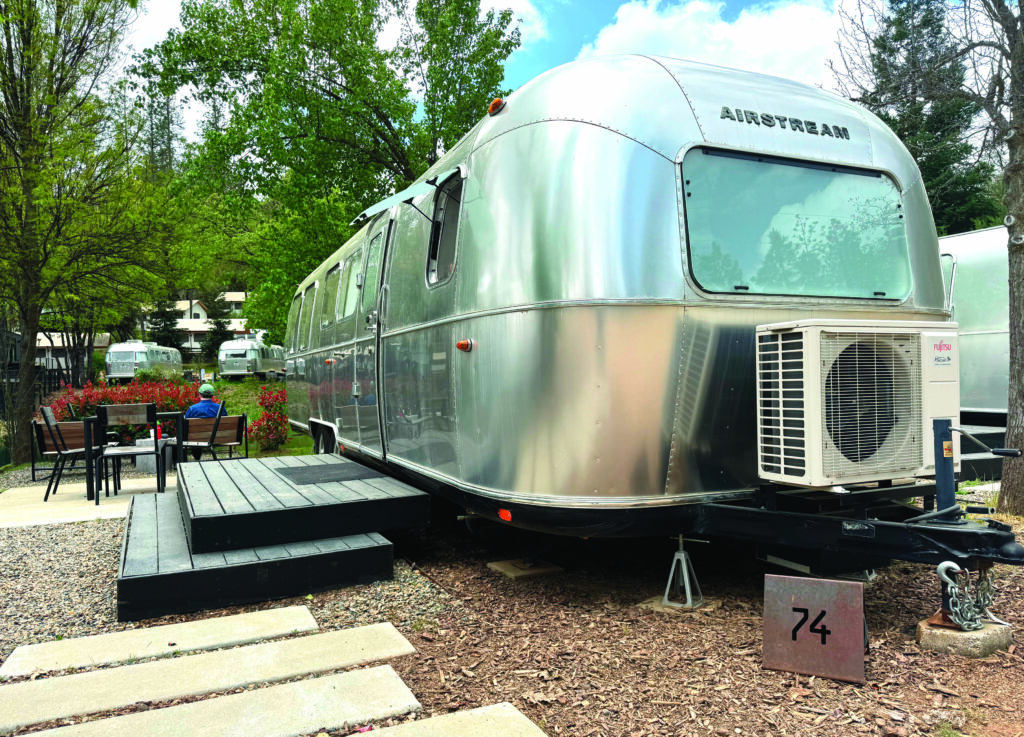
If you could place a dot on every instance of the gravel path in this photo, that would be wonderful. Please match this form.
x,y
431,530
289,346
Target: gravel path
x,y
58,581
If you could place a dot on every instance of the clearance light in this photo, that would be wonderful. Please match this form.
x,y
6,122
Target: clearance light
x,y
505,515
465,345
496,106
328,362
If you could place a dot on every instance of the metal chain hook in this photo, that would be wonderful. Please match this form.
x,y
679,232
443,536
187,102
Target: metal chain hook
x,y
963,609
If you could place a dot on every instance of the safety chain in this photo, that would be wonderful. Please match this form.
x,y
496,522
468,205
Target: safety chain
x,y
964,610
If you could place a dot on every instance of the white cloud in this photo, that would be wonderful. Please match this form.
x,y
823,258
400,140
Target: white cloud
x,y
532,25
788,38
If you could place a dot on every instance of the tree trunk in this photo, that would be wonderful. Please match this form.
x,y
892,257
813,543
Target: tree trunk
x,y
24,403
1011,495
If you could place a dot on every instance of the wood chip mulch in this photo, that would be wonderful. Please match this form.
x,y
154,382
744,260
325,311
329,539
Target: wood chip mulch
x,y
574,651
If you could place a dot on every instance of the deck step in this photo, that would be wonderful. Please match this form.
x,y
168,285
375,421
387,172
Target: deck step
x,y
152,642
47,699
248,502
983,466
302,707
158,574
993,437
498,720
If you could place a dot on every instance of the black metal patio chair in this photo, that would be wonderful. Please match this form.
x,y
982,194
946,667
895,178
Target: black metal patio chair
x,y
111,416
67,441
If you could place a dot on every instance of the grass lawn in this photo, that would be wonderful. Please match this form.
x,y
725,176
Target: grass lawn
x,y
241,396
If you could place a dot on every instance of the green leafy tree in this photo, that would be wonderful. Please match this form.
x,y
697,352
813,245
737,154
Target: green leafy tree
x,y
70,207
987,39
312,121
913,46
162,323
217,315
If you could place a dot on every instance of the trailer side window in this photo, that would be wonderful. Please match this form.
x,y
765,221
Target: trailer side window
x,y
351,290
443,230
758,224
327,314
293,321
372,278
306,316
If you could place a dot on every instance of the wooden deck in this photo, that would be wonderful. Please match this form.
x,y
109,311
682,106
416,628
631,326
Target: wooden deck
x,y
238,532
241,503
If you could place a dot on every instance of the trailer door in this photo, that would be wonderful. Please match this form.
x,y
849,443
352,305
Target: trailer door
x,y
367,331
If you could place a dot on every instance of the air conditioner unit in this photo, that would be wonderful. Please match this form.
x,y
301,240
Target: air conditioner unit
x,y
845,401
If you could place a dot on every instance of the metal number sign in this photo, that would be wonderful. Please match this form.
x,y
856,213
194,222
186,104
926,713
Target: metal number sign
x,y
814,626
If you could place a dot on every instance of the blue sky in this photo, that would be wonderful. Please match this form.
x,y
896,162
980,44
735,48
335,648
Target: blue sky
x,y
787,38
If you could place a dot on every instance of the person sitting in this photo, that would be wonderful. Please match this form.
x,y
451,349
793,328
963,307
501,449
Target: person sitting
x,y
205,407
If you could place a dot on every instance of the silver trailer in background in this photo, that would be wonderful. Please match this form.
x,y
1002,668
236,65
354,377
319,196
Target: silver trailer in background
x,y
250,357
556,326
124,360
976,277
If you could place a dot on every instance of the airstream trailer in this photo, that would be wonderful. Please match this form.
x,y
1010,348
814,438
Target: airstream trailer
x,y
250,357
557,325
976,276
124,360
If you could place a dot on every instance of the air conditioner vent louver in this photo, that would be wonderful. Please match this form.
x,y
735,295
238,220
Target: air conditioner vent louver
x,y
841,401
781,406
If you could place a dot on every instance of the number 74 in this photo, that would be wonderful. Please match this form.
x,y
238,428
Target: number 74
x,y
805,615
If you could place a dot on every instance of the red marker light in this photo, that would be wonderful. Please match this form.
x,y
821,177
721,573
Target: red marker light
x,y
505,515
496,106
328,362
465,345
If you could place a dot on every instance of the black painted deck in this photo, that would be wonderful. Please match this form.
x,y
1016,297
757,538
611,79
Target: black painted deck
x,y
159,575
245,502
238,532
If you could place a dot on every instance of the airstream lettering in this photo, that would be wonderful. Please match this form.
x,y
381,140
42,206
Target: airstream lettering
x,y
250,357
124,360
608,263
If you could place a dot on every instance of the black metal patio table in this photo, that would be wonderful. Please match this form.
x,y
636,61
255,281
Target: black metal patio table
x,y
91,482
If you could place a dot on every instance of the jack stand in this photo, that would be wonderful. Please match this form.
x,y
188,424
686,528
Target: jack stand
x,y
681,577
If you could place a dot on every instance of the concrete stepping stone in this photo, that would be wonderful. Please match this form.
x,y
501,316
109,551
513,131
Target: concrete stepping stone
x,y
161,641
32,702
329,702
499,720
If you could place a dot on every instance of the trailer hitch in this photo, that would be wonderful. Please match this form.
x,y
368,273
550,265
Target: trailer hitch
x,y
961,610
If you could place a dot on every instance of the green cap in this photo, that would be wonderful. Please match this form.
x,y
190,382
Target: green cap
x,y
206,390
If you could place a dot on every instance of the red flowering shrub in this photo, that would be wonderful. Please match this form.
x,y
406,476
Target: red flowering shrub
x,y
167,396
270,431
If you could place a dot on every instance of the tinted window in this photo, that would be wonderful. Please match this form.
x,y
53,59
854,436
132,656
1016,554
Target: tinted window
x,y
760,224
327,314
306,316
441,254
351,290
372,278
293,320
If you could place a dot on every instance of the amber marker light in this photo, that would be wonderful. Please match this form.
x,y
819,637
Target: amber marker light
x,y
465,345
496,106
505,515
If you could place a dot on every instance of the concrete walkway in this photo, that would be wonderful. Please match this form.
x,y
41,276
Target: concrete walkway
x,y
161,641
24,506
331,702
46,699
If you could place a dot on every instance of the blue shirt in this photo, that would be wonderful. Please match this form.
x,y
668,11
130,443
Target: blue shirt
x,y
205,408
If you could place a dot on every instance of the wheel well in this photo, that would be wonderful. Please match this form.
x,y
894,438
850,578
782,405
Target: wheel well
x,y
318,430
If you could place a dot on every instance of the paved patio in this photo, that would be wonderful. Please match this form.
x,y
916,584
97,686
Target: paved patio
x,y
24,506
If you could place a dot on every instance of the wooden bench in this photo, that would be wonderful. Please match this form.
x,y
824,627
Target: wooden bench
x,y
73,434
231,432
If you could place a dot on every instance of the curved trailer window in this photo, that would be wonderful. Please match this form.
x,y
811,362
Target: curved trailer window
x,y
767,225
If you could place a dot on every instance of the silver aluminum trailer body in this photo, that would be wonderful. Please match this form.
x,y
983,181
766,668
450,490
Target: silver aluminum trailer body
x,y
250,357
976,271
124,360
605,246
